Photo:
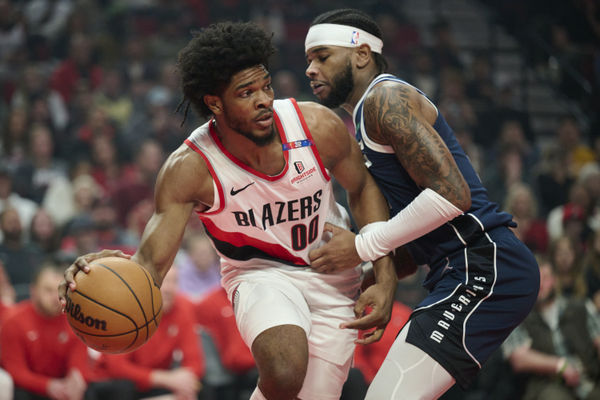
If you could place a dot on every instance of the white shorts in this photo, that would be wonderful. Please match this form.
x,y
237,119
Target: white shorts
x,y
283,295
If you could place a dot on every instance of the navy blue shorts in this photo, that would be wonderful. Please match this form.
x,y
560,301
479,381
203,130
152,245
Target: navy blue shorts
x,y
486,289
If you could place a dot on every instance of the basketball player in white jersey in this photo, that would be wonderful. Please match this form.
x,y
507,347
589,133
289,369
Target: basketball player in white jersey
x,y
259,176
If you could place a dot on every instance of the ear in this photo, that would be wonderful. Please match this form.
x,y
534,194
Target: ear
x,y
213,103
362,56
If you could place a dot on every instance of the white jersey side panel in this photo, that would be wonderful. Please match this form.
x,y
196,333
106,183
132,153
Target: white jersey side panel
x,y
256,217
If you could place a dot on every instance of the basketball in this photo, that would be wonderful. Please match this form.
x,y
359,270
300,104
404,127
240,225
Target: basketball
x,y
116,307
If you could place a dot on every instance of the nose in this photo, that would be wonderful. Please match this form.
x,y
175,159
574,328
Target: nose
x,y
311,70
264,99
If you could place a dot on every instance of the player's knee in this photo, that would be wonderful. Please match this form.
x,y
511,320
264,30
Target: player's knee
x,y
281,354
284,383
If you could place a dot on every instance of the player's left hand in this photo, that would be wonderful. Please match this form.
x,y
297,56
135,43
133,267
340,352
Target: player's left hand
x,y
379,297
336,255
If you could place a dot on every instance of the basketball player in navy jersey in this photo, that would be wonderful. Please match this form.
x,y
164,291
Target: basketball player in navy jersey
x,y
258,176
482,280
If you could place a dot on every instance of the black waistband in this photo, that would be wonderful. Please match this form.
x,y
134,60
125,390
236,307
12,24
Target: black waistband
x,y
469,229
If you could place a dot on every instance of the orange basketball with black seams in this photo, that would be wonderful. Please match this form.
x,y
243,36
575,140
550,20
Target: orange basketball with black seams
x,y
116,307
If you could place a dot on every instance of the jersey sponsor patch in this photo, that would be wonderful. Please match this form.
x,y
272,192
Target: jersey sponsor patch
x,y
296,144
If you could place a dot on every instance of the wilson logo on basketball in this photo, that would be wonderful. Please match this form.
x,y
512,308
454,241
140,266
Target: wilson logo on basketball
x,y
74,310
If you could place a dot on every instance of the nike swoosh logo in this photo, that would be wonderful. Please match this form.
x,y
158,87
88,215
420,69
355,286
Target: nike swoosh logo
x,y
234,192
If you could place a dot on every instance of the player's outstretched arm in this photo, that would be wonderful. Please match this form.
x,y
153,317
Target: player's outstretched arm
x,y
183,184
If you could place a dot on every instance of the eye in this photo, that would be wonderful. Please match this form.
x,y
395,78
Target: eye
x,y
322,58
245,93
269,86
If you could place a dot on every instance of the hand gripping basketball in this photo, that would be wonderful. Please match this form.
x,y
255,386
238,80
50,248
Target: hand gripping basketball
x,y
117,305
114,311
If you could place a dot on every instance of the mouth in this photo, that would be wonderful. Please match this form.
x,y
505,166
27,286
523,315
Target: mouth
x,y
317,87
265,120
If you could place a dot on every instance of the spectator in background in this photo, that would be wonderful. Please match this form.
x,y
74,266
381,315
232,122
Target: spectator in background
x,y
480,87
98,377
507,107
8,198
15,137
575,209
422,74
285,84
8,296
20,259
110,233
215,315
7,299
591,271
136,63
453,102
507,170
553,180
140,185
108,167
512,134
575,226
521,202
41,169
34,88
45,19
570,140
171,361
565,55
44,233
566,262
79,71
589,177
97,124
198,265
38,344
113,98
555,346
12,36
444,52
81,238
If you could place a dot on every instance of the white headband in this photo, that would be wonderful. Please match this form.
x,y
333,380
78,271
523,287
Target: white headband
x,y
340,35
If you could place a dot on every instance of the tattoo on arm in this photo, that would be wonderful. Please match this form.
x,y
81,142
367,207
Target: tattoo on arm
x,y
395,119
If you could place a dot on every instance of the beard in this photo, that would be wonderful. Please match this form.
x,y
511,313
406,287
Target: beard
x,y
341,87
239,126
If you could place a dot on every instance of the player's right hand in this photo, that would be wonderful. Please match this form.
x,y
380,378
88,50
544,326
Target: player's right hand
x,y
82,264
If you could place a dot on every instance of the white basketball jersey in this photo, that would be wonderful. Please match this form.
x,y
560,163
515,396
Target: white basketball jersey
x,y
258,217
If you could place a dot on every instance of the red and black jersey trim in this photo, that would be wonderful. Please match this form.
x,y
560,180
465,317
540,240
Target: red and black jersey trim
x,y
244,253
242,247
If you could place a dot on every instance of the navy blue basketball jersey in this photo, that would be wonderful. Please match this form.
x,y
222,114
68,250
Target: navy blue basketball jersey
x,y
399,189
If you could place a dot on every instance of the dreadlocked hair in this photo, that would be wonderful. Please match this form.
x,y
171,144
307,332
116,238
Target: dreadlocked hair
x,y
357,19
216,53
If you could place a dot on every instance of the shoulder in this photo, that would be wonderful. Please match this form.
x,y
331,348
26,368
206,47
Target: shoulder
x,y
397,97
328,130
185,177
317,115
391,89
323,123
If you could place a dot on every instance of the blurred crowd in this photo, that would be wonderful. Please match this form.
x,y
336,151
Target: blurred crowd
x,y
88,93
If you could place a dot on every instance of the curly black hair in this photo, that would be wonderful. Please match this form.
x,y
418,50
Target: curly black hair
x,y
216,53
358,19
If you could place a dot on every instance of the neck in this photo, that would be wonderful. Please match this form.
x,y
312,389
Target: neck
x,y
361,83
266,159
